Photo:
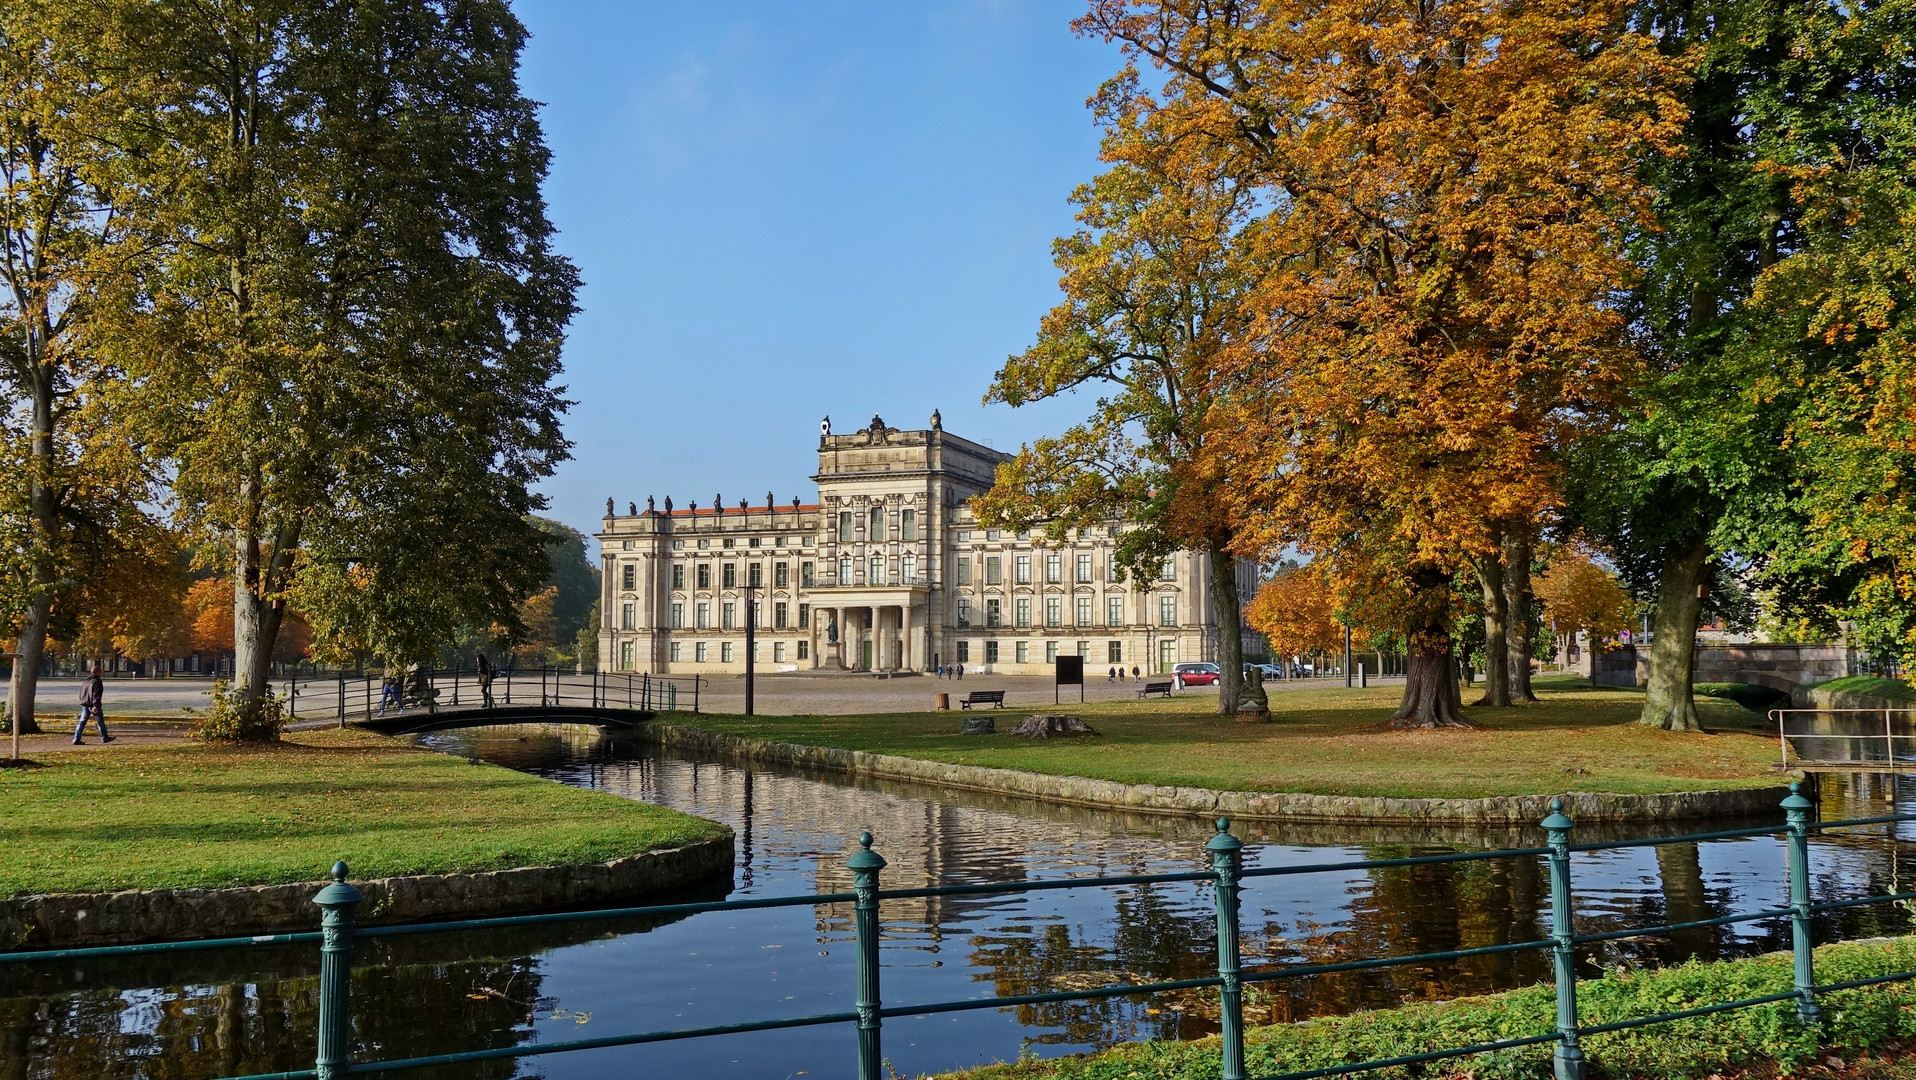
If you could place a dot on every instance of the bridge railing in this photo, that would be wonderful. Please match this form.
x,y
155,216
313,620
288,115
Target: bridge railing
x,y
337,1053
343,696
1886,738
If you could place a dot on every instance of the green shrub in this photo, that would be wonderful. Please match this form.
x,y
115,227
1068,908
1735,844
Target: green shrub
x,y
224,722
1754,698
1854,1021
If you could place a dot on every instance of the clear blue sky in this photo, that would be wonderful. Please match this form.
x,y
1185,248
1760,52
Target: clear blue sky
x,y
783,210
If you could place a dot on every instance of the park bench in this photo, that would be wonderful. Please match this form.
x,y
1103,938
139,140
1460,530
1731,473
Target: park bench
x,y
983,697
1162,689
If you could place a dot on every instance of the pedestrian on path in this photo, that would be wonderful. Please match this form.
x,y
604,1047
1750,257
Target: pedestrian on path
x,y
91,694
961,673
486,673
389,693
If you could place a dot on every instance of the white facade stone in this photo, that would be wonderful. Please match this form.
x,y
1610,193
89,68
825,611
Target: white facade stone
x,y
887,571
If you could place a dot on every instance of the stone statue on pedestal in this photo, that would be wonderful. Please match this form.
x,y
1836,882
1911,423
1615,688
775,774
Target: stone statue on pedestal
x,y
831,629
608,506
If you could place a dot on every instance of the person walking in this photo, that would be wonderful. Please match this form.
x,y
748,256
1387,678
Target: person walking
x,y
1134,671
1111,675
389,693
961,672
486,675
91,694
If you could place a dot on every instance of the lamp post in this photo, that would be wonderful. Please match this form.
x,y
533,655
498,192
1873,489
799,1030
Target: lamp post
x,y
751,645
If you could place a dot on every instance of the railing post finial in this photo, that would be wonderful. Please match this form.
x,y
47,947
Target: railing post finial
x,y
1568,1061
1226,862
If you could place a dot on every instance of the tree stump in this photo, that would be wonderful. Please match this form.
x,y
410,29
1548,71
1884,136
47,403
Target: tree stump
x,y
1051,725
978,725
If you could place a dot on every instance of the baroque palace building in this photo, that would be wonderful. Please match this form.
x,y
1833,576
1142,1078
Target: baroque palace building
x,y
887,571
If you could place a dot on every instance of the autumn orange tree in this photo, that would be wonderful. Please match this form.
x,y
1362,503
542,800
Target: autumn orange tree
x,y
1299,612
1447,188
1581,597
1153,299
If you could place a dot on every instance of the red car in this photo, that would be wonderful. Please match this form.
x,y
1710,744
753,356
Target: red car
x,y
1196,674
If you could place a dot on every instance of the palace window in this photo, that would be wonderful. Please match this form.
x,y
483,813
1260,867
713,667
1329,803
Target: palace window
x,y
703,615
875,570
1053,567
678,616
698,652
992,534
778,652
628,616
625,656
755,574
1022,610
1050,652
1021,570
1054,611
994,613
964,571
629,576
1084,649
964,652
804,650
725,652
779,612
678,545
730,542
991,652
728,614
1022,651
1167,611
964,611
875,528
625,545
908,570
1114,652
1084,611
728,576
1169,571
1167,655
908,524
844,526
1113,570
677,652
753,542
781,574
844,569
678,576
1114,611
804,620
1084,569
705,542
705,575
805,574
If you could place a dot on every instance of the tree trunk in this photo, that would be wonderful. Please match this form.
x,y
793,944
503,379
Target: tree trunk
x,y
43,521
1230,634
256,623
1670,702
1519,626
1431,694
1490,574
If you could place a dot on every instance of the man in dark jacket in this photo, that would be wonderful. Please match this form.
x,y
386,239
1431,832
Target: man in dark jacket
x,y
90,695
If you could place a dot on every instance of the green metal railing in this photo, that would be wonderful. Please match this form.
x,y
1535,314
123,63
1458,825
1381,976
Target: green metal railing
x,y
1228,876
341,695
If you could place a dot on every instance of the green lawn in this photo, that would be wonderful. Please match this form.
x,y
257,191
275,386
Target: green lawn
x,y
1863,1035
1892,689
198,815
1332,742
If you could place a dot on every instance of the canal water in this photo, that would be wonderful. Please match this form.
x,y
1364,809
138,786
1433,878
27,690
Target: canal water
x,y
224,1013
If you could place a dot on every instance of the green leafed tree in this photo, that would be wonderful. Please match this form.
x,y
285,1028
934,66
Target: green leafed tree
x,y
1153,291
343,322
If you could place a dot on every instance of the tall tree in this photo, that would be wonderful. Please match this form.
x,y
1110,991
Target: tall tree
x,y
1436,266
1153,296
344,317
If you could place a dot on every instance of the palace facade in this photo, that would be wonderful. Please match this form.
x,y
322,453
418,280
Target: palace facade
x,y
887,571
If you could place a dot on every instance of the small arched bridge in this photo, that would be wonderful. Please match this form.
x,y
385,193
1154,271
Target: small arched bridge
x,y
439,700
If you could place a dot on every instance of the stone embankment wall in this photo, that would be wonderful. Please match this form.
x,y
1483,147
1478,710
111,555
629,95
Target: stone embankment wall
x,y
1817,697
1154,798
66,920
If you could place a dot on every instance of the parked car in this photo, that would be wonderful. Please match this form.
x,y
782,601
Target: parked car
x,y
1196,674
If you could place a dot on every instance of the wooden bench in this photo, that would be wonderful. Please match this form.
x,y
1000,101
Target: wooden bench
x,y
983,697
1162,689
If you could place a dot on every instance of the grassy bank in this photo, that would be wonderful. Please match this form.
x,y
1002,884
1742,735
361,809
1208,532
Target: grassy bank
x,y
1331,742
1760,1041
197,815
1870,685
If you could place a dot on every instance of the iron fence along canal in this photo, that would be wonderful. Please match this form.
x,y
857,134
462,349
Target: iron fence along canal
x,y
1228,878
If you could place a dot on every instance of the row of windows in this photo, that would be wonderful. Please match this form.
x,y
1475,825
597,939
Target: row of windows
x,y
728,575
1054,611
875,525
732,541
1021,652
701,651
992,567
